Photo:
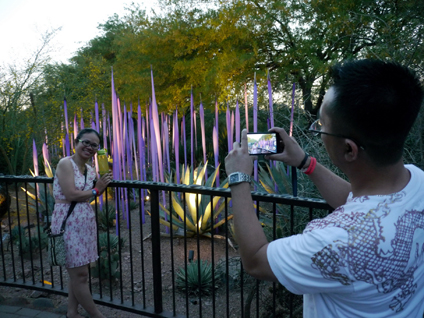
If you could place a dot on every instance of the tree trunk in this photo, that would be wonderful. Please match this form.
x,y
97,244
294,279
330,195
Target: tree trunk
x,y
306,86
9,164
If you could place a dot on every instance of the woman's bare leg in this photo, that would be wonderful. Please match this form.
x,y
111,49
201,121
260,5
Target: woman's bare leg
x,y
72,303
78,278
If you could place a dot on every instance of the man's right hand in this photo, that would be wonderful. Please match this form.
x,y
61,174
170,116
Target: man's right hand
x,y
292,154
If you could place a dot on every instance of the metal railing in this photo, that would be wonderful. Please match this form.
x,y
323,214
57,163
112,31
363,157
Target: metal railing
x,y
135,274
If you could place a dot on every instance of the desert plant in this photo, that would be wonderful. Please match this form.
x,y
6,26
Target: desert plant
x,y
107,266
45,198
26,244
202,212
197,278
133,205
106,216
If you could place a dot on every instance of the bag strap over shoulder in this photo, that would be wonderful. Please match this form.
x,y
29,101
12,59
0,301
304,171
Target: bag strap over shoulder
x,y
73,204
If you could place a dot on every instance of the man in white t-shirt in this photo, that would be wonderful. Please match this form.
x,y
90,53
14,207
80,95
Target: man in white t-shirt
x,y
366,259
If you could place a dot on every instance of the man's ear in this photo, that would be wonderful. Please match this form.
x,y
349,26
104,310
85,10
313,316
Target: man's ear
x,y
351,150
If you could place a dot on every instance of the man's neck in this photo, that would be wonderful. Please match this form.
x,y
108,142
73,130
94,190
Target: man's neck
x,y
379,181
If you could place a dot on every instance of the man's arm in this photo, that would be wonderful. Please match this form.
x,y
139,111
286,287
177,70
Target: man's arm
x,y
333,189
248,231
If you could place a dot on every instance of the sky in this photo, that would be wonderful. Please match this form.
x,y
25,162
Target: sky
x,y
22,22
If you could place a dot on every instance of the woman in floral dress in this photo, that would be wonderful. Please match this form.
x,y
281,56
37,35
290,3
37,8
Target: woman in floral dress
x,y
74,182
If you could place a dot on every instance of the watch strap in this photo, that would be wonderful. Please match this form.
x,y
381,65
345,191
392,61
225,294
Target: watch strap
x,y
241,177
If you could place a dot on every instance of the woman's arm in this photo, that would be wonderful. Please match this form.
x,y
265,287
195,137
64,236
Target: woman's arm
x,y
66,177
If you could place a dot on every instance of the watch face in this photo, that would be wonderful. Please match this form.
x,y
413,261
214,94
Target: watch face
x,y
234,178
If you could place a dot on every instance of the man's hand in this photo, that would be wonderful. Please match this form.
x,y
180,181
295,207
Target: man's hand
x,y
292,154
239,160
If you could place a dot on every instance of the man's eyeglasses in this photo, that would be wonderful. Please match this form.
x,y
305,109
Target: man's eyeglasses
x,y
87,143
316,130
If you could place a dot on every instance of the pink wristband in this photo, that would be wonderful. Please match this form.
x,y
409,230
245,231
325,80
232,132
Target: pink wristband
x,y
311,167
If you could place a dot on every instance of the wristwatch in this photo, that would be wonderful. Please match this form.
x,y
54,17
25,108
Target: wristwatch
x,y
94,192
238,177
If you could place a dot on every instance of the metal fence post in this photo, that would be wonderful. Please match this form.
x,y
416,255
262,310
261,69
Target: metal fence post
x,y
157,269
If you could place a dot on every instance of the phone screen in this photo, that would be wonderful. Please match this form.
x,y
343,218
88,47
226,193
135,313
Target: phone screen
x,y
262,143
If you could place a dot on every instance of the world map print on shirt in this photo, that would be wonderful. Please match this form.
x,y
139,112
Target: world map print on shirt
x,y
361,256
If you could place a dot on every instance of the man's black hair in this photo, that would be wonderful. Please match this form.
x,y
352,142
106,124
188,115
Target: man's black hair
x,y
86,131
376,102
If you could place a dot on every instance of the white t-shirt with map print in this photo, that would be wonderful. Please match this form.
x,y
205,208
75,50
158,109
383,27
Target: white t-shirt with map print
x,y
366,259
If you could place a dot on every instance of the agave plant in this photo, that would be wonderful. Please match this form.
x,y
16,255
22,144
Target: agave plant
x,y
201,211
197,282
107,267
20,236
274,179
106,216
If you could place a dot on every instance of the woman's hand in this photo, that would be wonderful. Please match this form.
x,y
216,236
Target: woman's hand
x,y
103,182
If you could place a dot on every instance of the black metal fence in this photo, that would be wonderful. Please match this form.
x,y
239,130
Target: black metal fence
x,y
146,267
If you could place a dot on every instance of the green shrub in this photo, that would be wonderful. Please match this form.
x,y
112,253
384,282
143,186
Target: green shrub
x,y
196,283
24,244
133,205
107,266
106,216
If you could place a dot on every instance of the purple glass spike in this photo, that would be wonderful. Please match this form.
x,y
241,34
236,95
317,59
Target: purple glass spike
x,y
155,118
271,104
202,129
104,126
96,111
216,151
255,124
246,108
191,127
82,120
237,118
177,146
46,156
216,114
65,109
75,126
67,145
35,157
183,129
229,132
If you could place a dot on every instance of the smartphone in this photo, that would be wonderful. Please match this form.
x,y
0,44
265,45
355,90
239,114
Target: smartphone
x,y
264,143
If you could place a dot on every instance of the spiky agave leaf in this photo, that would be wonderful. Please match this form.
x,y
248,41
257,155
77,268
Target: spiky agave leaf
x,y
178,208
278,174
194,200
175,221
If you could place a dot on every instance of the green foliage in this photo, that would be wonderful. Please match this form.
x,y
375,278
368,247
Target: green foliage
x,y
197,278
133,205
215,49
106,216
107,266
28,242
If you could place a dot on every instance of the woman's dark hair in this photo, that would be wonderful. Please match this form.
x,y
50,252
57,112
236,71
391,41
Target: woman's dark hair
x,y
376,102
86,131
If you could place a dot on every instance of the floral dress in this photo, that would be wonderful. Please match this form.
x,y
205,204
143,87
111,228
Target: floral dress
x,y
81,229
